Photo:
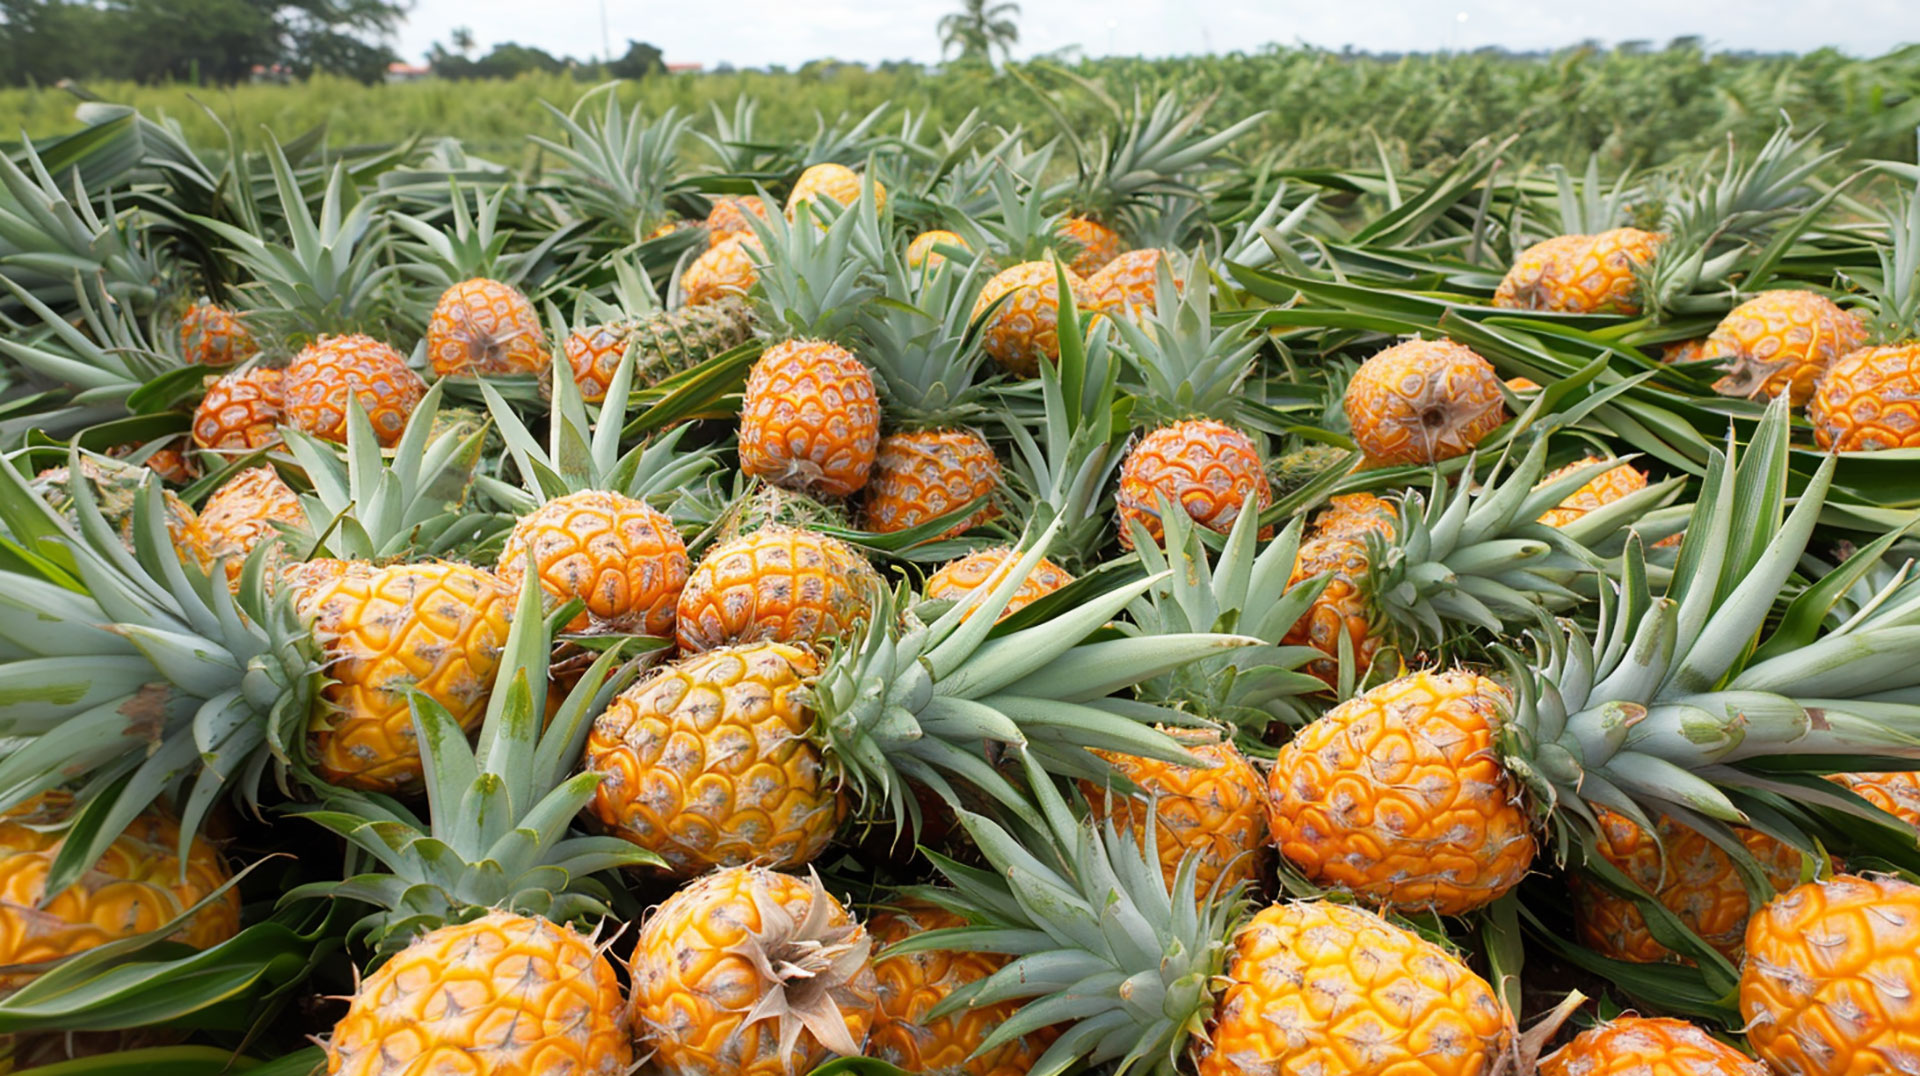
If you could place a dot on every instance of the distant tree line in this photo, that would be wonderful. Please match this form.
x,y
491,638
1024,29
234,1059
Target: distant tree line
x,y
510,60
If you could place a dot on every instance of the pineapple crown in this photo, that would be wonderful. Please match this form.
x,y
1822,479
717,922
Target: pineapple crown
x,y
1097,935
1896,299
438,258
819,268
1017,224
1588,205
331,277
104,354
135,675
966,192
583,450
919,702
496,835
369,507
1143,151
1183,365
925,349
622,166
53,230
1244,592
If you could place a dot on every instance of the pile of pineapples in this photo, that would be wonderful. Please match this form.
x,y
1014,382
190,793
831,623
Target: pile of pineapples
x,y
955,602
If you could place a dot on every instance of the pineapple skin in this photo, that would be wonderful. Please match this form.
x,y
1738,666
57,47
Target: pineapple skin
x,y
1869,400
1423,401
777,584
326,374
912,984
1208,468
955,579
212,335
665,344
710,762
1094,244
483,328
1025,330
1780,342
241,411
924,474
1603,489
506,994
623,558
1643,1046
1218,814
724,270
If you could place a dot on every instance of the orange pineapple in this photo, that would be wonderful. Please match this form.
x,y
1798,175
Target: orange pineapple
x,y
1025,330
1317,987
435,628
728,268
1208,468
1781,342
1132,280
1398,797
326,374
1601,490
1828,984
711,762
1581,274
1218,814
241,411
748,972
1423,401
137,886
505,994
1342,607
1355,514
1684,871
1640,1046
911,985
924,474
1869,400
778,584
241,514
920,252
1896,792
728,218
1092,244
809,419
483,328
985,569
623,558
213,335
835,182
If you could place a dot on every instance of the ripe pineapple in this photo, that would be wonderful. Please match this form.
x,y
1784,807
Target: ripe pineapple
x,y
1092,245
1024,331
1423,401
749,972
774,802
1686,872
1827,985
1366,799
727,269
1208,468
137,885
665,343
728,218
1896,792
910,986
169,457
436,628
921,253
241,514
1644,1046
1215,812
1864,402
1781,342
213,335
921,475
241,411
835,182
1581,274
483,328
985,568
1354,514
777,584
623,558
507,994
1609,487
326,374
809,419
1132,281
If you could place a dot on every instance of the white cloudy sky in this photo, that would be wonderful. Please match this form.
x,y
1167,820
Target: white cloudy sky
x,y
761,32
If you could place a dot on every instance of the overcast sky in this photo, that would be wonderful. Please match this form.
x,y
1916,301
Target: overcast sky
x,y
753,33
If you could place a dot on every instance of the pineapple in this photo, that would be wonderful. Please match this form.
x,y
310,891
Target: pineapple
x,y
749,972
326,374
1827,984
923,252
924,360
213,335
810,419
138,884
1581,274
1023,331
835,182
1864,402
1215,812
241,514
1609,487
1781,342
241,411
116,489
1092,244
1685,872
1897,792
985,568
483,328
777,584
1423,401
622,558
910,986
1648,1046
169,457
727,269
1185,378
1132,281
666,343
728,218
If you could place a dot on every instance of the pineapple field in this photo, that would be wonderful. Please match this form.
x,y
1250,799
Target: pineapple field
x,y
955,594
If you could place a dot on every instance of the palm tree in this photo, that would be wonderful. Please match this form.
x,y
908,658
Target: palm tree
x,y
976,30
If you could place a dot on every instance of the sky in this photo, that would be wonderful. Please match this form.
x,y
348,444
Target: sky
x,y
758,33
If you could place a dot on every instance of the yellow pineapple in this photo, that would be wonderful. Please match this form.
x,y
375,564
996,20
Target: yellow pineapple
x,y
1643,1046
728,218
1216,812
1780,342
1130,281
241,514
810,419
483,328
728,268
241,411
505,994
1092,245
326,374
1896,792
773,801
749,972
1869,398
983,570
921,475
623,558
1423,401
777,584
1581,274
921,252
1024,331
1208,468
835,182
904,1035
1603,489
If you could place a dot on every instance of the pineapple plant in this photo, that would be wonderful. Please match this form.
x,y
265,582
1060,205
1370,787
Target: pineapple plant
x,y
909,986
116,489
213,335
1863,401
1423,401
333,369
241,411
1648,1046
923,252
664,343
1825,983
